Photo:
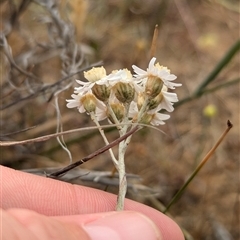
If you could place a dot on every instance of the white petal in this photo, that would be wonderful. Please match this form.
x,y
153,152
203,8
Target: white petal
x,y
151,63
167,105
100,114
100,105
172,85
172,97
81,109
72,103
171,77
82,83
138,70
133,110
161,116
157,120
103,81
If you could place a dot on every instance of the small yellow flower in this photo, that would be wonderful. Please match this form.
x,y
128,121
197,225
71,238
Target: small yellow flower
x,y
210,111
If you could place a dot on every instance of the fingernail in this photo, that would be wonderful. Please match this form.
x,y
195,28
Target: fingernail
x,y
123,226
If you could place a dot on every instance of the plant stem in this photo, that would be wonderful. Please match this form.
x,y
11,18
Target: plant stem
x,y
143,109
206,91
121,162
218,68
114,160
201,89
201,164
92,155
122,177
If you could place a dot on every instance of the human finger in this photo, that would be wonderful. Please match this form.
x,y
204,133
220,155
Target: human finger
x,y
29,225
53,198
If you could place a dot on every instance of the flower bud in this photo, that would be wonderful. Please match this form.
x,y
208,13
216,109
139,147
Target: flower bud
x,y
118,110
89,102
153,86
124,92
146,118
154,102
102,92
140,100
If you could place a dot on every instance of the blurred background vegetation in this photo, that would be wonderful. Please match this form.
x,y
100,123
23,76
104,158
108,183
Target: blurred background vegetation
x,y
46,45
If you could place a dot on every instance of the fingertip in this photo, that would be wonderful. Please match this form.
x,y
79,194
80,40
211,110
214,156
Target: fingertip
x,y
125,225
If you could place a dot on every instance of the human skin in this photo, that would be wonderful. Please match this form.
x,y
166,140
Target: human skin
x,y
34,206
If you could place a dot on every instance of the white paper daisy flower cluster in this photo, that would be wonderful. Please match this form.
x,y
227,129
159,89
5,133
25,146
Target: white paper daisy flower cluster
x,y
123,98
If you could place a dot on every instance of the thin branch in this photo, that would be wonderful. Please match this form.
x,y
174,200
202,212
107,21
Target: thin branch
x,y
189,21
220,86
206,91
92,155
48,87
154,42
199,167
49,136
16,14
219,67
17,132
11,60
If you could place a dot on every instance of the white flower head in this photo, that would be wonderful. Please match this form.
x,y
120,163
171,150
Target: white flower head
x,y
157,71
146,92
80,100
152,117
168,99
164,100
123,76
158,118
93,76
84,88
76,102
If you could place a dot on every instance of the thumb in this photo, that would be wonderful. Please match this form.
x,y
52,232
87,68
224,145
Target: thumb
x,y
25,224
125,225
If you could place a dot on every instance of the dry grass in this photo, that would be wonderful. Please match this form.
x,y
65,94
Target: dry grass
x,y
194,36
